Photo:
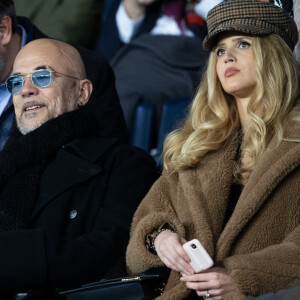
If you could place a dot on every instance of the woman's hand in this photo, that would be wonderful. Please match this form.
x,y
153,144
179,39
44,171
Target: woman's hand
x,y
215,281
168,246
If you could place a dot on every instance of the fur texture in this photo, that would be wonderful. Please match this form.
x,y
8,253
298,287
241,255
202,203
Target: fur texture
x,y
260,244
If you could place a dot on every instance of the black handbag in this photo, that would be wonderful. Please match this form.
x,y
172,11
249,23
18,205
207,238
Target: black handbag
x,y
146,286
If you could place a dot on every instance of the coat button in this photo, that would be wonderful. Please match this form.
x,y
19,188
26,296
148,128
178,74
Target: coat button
x,y
73,214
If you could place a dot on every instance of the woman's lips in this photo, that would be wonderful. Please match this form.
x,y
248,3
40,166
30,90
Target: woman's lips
x,y
231,71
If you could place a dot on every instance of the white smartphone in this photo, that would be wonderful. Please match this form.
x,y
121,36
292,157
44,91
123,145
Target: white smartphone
x,y
200,259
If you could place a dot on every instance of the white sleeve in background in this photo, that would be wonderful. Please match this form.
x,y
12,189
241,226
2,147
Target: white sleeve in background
x,y
168,26
204,6
126,26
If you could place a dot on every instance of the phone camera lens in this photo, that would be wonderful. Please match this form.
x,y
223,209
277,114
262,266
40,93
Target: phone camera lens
x,y
193,246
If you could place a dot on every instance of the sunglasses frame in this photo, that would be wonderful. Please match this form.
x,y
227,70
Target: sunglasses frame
x,y
23,76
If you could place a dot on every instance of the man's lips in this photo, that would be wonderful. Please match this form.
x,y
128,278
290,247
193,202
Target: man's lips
x,y
231,71
32,107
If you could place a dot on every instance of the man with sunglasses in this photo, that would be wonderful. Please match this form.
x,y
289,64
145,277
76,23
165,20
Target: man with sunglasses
x,y
67,194
15,32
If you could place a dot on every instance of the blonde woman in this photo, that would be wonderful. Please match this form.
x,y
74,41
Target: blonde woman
x,y
232,173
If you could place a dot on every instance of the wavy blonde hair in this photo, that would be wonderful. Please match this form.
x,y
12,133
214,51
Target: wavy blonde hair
x,y
213,114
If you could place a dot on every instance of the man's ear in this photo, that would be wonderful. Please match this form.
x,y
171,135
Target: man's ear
x,y
85,91
5,30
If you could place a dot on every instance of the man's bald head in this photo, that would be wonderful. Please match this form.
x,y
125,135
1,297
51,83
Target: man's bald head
x,y
66,59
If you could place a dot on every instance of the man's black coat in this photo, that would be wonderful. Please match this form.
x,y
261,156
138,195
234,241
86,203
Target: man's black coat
x,y
104,100
80,224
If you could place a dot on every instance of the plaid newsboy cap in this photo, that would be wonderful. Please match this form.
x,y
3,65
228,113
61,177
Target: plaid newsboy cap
x,y
253,17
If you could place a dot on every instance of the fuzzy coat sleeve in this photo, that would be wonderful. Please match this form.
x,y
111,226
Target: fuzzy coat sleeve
x,y
155,210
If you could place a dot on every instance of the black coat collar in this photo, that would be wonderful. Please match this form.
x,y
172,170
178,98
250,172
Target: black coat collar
x,y
90,148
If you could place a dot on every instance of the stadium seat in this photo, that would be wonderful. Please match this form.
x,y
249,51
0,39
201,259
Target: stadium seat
x,y
142,131
173,113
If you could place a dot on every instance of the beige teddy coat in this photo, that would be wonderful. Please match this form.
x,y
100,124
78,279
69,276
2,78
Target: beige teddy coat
x,y
260,244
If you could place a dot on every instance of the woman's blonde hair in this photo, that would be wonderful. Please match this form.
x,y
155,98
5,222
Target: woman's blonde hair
x,y
213,115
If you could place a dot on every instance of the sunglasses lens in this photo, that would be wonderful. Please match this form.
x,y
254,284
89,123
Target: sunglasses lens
x,y
14,84
41,78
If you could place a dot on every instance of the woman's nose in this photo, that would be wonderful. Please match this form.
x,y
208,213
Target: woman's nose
x,y
229,56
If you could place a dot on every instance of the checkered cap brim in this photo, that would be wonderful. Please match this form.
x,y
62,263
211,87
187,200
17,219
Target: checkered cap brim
x,y
254,17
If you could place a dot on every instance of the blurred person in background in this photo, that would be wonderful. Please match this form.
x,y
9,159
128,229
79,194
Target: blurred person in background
x,y
155,50
125,20
71,21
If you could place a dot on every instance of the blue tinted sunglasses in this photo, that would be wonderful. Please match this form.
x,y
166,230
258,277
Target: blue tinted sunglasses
x,y
40,78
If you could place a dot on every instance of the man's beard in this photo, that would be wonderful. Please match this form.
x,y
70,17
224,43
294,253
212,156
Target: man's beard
x,y
25,128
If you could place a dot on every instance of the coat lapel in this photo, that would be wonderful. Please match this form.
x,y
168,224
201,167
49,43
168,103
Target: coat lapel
x,y
275,164
73,164
66,171
207,189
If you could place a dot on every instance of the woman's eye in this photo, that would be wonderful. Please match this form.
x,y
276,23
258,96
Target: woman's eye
x,y
220,52
244,45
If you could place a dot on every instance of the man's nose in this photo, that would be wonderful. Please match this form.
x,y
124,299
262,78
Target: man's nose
x,y
28,89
